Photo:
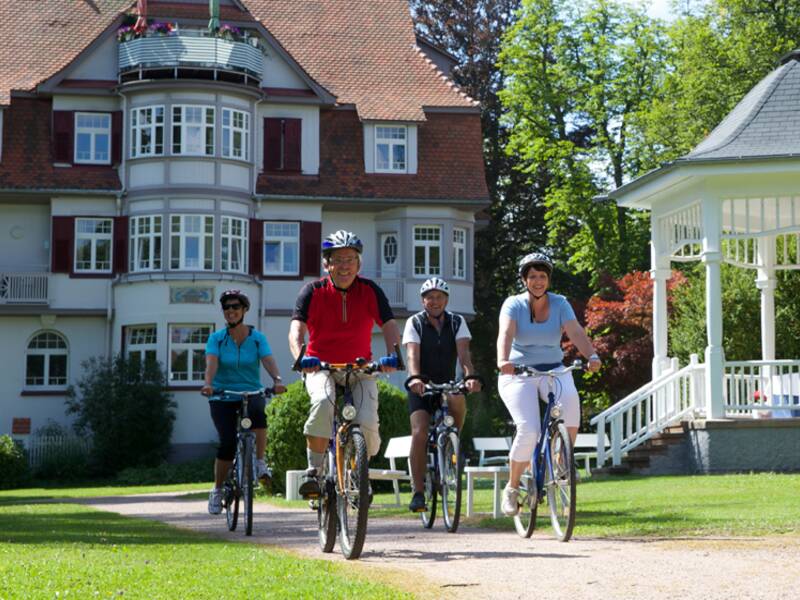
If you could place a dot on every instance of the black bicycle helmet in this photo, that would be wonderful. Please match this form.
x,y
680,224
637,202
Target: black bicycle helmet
x,y
538,259
341,239
235,295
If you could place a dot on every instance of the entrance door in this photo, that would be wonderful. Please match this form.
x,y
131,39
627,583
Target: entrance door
x,y
389,256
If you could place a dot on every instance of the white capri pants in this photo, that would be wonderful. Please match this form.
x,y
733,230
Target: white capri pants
x,y
321,387
521,396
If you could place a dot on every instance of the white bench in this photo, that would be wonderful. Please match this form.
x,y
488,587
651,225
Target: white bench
x,y
398,447
495,467
586,449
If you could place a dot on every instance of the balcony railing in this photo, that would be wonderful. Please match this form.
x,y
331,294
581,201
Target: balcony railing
x,y
23,288
190,52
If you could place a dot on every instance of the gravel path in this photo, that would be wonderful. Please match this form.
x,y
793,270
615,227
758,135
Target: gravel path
x,y
482,563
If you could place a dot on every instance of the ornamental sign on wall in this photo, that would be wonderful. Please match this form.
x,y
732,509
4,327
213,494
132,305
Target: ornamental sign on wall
x,y
191,295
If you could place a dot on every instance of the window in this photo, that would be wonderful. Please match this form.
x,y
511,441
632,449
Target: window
x,y
147,131
93,138
427,250
282,145
281,248
93,245
390,149
141,343
187,357
46,361
145,245
193,130
192,242
459,253
235,134
234,244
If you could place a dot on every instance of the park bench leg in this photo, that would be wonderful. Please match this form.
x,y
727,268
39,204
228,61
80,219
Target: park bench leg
x,y
470,490
496,503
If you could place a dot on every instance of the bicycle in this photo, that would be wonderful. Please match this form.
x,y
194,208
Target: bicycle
x,y
345,495
445,461
554,477
240,482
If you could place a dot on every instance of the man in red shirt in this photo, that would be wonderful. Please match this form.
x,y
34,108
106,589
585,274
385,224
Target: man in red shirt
x,y
338,313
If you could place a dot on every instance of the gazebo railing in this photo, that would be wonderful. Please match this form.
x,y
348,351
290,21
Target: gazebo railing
x,y
770,387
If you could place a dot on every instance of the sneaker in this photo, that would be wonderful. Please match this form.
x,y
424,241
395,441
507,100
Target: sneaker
x,y
310,486
418,503
510,504
263,473
215,502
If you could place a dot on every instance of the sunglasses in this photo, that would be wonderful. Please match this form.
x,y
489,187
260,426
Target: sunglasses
x,y
235,306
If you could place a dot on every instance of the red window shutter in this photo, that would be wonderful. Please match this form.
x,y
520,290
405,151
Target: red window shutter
x,y
273,144
120,259
311,242
291,145
116,137
62,244
63,135
256,247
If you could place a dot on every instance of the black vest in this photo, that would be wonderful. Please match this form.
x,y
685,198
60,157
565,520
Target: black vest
x,y
438,352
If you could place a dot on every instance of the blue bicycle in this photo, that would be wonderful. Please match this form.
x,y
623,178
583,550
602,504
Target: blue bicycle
x,y
554,470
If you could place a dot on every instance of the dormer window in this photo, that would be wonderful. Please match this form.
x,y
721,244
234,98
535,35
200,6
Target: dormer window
x,y
391,149
93,138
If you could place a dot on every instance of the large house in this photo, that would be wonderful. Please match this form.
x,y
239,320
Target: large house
x,y
144,171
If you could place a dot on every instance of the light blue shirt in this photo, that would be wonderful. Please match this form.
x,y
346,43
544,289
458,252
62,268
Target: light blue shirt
x,y
537,343
239,366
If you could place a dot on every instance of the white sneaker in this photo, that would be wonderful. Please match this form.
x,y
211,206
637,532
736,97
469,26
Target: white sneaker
x,y
510,505
215,502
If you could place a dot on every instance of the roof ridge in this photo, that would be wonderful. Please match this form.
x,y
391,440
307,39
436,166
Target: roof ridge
x,y
448,81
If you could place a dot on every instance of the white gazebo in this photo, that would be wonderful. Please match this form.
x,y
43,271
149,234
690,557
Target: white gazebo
x,y
735,198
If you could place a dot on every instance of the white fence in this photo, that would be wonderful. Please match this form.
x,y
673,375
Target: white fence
x,y
42,449
771,386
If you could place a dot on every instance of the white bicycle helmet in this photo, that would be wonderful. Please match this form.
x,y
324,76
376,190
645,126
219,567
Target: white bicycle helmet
x,y
539,259
434,283
341,239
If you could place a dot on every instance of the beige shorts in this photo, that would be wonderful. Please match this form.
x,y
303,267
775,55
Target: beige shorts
x,y
321,387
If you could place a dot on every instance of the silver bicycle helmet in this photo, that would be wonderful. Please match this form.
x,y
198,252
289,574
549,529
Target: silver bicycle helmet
x,y
235,295
341,239
434,283
539,259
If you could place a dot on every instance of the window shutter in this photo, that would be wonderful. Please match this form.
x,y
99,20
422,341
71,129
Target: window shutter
x,y
311,240
291,145
61,245
116,137
63,135
120,259
272,144
256,247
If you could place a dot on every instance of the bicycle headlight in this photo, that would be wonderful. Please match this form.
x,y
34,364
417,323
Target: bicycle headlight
x,y
349,412
449,420
246,423
555,412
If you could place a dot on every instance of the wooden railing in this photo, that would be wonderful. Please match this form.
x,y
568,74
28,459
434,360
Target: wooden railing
x,y
23,288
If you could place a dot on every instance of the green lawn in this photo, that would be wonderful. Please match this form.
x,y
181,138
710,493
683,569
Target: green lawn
x,y
60,550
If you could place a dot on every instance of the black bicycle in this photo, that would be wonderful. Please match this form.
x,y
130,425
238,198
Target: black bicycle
x,y
343,504
554,474
445,460
240,482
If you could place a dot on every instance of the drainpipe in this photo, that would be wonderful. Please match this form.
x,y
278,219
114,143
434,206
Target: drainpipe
x,y
257,210
118,210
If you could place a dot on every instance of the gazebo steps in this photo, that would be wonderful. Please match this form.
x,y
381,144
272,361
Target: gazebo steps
x,y
639,460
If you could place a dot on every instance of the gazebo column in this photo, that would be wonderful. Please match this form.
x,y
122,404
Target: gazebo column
x,y
714,355
766,282
660,274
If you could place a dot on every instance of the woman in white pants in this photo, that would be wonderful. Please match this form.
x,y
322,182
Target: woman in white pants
x,y
531,326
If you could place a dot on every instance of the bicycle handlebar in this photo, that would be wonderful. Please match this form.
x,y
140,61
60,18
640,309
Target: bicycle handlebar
x,y
450,387
534,372
360,364
265,391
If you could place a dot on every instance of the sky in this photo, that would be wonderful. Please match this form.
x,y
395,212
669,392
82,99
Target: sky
x,y
659,8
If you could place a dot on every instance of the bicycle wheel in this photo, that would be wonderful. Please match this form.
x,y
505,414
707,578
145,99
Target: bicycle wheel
x,y
452,467
559,482
247,482
431,497
231,499
326,509
352,503
525,519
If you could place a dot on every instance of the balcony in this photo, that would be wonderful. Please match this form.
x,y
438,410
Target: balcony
x,y
23,288
190,56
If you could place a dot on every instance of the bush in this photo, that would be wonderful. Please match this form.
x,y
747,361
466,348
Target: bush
x,y
126,409
287,413
195,471
13,464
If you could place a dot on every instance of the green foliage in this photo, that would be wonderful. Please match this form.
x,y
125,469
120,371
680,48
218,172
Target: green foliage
x,y
787,315
200,470
126,409
13,464
67,462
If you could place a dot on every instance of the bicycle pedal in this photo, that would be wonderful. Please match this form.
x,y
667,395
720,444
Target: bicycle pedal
x,y
313,504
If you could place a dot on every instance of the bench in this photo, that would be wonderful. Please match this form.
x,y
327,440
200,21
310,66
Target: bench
x,y
495,467
586,449
398,447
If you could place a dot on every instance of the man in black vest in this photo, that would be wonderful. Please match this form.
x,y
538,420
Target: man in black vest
x,y
434,339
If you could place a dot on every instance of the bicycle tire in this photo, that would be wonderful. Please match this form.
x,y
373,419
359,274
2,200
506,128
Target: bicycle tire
x,y
431,498
248,480
326,508
231,500
352,503
525,519
560,483
452,466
